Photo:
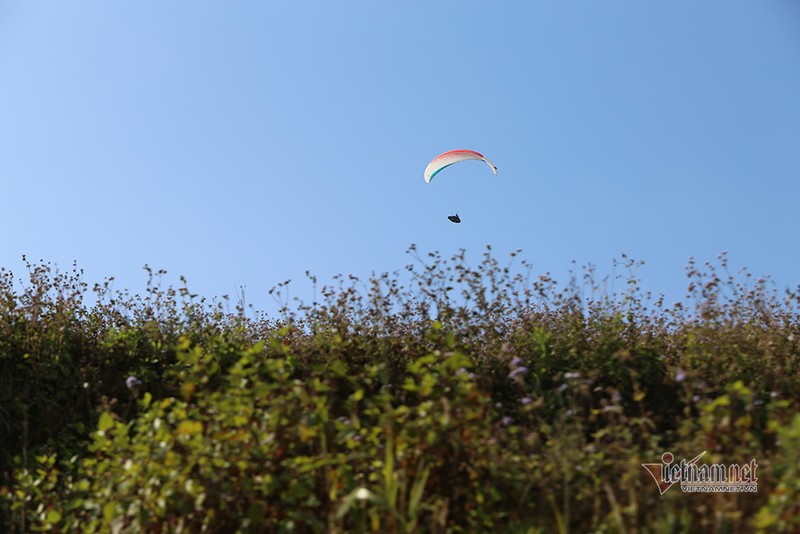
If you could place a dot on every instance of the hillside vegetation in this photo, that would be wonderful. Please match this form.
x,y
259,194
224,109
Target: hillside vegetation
x,y
440,398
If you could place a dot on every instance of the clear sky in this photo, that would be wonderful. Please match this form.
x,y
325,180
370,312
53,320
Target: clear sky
x,y
240,143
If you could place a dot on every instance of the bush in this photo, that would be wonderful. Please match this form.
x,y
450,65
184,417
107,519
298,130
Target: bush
x,y
444,398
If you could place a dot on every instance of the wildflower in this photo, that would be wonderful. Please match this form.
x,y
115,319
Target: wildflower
x,y
507,421
362,493
680,375
571,376
517,371
133,383
525,400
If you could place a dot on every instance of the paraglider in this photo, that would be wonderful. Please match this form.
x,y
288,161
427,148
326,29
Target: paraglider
x,y
440,162
444,160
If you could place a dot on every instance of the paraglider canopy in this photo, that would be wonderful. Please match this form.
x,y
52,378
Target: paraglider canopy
x,y
450,157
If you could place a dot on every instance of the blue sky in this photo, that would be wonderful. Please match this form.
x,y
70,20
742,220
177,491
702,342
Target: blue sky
x,y
242,143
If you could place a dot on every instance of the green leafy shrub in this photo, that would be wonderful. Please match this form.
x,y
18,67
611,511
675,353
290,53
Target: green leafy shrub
x,y
443,398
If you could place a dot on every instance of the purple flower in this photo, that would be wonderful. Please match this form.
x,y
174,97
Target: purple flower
x,y
525,400
515,362
507,421
517,371
133,383
680,375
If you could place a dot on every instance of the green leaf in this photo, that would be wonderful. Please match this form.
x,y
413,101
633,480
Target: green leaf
x,y
105,422
109,511
420,480
421,362
53,517
339,368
